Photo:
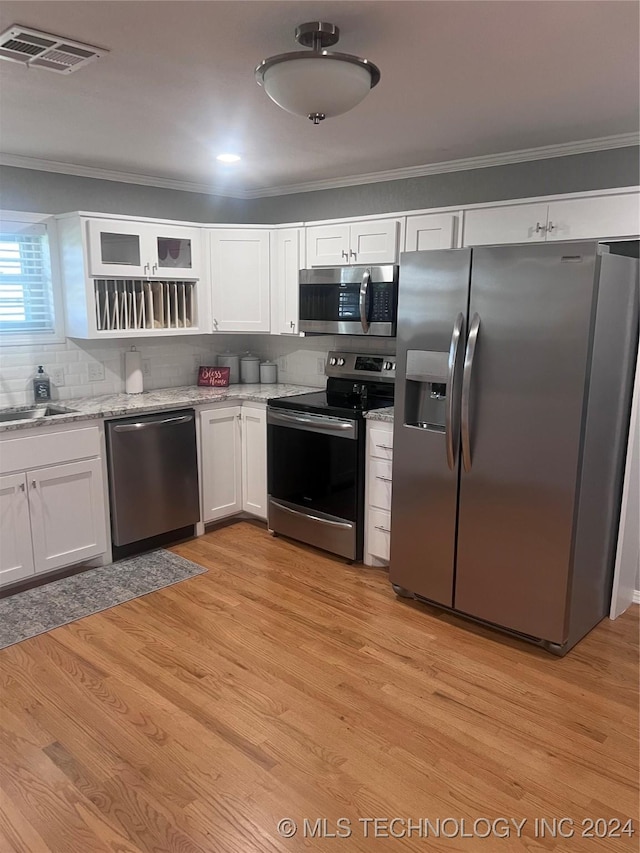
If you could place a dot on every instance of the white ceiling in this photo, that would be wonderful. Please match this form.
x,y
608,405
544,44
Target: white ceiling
x,y
459,80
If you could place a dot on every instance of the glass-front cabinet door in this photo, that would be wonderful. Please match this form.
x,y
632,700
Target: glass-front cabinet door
x,y
143,250
176,252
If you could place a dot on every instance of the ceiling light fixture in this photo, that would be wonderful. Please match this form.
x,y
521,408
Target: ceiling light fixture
x,y
228,158
318,84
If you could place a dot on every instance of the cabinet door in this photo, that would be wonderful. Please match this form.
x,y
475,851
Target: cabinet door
x,y
254,461
587,218
240,280
176,252
374,242
432,231
518,223
16,555
328,245
67,514
221,462
118,248
286,267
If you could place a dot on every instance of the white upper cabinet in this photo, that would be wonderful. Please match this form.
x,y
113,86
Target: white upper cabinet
x,y
240,279
518,223
597,217
431,231
372,242
128,279
286,264
592,218
143,250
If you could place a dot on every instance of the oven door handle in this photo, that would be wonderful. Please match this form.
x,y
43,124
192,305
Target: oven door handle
x,y
297,420
341,524
364,289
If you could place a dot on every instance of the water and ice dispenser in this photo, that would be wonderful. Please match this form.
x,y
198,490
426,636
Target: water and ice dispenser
x,y
426,389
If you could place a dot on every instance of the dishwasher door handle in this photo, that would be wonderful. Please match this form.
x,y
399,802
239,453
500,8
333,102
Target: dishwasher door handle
x,y
182,419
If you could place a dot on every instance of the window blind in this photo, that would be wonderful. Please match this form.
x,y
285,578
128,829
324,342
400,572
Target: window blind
x,y
26,294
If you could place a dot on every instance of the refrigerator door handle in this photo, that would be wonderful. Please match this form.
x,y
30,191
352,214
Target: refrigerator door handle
x,y
452,430
472,342
364,287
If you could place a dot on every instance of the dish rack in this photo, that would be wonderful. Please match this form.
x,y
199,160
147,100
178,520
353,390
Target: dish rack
x,y
124,304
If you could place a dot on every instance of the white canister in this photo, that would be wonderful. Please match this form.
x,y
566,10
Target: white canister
x,y
268,373
250,369
232,361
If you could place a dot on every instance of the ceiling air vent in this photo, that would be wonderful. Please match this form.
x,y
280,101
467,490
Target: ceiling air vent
x,y
44,50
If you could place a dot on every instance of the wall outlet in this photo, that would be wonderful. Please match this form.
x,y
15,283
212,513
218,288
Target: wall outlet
x,y
320,366
146,366
57,376
95,371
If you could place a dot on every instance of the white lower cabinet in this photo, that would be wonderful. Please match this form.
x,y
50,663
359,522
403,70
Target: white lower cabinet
x,y
54,516
233,461
67,509
221,462
377,533
16,553
254,460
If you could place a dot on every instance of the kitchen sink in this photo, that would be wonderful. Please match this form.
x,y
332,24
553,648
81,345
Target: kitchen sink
x,y
7,415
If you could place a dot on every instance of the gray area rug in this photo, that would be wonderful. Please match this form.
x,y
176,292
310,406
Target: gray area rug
x,y
43,608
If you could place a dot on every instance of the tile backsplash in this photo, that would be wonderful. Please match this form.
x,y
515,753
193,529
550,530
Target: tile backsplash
x,y
167,363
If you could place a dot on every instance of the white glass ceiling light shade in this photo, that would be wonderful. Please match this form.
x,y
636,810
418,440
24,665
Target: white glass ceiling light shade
x,y
317,84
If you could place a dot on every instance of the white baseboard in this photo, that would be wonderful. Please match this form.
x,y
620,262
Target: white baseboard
x,y
636,596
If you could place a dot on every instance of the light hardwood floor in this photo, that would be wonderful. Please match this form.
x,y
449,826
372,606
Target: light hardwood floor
x,y
283,683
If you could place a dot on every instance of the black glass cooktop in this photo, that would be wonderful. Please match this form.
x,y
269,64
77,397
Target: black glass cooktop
x,y
340,401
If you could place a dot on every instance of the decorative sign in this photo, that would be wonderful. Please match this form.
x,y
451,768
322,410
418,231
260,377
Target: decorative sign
x,y
214,377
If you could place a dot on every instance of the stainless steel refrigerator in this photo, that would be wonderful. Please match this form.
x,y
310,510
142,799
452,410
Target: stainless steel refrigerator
x,y
514,373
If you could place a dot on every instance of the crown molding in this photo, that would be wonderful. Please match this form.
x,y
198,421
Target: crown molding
x,y
564,149
21,162
623,140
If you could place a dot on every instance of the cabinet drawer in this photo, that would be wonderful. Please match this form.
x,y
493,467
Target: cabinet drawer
x,y
381,443
380,484
379,533
37,451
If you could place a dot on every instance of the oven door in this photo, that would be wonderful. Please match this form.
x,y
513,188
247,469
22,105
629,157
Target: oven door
x,y
349,300
315,480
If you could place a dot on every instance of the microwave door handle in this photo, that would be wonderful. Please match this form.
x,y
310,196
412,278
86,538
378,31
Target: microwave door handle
x,y
364,288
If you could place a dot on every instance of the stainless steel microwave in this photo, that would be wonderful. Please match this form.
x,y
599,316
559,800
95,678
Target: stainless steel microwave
x,y
349,300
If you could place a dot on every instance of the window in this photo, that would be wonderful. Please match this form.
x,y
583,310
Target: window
x,y
27,300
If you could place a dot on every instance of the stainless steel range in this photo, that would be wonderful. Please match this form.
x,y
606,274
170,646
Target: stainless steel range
x,y
316,449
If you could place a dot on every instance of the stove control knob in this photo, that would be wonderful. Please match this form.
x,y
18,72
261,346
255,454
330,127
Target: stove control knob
x,y
341,362
332,361
387,365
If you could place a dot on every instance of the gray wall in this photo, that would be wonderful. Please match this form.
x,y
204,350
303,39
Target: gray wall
x,y
49,192
46,192
578,172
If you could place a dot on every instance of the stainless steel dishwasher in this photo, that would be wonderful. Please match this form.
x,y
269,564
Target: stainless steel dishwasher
x,y
153,475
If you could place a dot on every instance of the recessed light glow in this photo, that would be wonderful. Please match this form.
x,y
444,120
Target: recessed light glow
x,y
228,158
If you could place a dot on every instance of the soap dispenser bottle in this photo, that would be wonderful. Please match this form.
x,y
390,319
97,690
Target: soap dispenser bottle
x,y
41,386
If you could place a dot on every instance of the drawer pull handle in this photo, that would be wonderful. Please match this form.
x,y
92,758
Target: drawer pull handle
x,y
385,446
33,484
383,529
385,479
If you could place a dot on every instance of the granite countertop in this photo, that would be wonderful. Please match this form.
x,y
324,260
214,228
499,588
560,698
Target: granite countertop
x,y
380,415
119,405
